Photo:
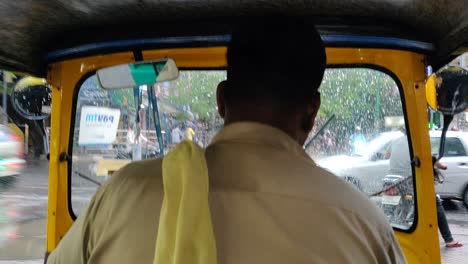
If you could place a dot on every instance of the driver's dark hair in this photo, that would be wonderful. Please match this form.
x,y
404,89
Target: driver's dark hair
x,y
274,59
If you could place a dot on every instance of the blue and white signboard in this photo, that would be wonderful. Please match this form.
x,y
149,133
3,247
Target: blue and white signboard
x,y
98,125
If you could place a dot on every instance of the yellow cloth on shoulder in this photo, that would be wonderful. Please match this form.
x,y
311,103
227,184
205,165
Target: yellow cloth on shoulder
x,y
185,234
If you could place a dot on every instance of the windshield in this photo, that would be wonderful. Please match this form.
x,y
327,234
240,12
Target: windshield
x,y
360,115
116,126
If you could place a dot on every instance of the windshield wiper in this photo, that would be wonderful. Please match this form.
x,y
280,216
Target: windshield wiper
x,y
87,178
319,132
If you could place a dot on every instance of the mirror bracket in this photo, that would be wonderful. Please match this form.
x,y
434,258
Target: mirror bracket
x,y
416,162
64,157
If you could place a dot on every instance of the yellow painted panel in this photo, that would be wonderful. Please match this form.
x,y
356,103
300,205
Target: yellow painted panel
x,y
420,246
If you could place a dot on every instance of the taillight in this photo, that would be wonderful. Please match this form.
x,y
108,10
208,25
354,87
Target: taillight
x,y
14,137
392,191
14,166
18,139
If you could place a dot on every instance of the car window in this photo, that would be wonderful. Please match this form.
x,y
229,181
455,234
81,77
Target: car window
x,y
453,147
361,107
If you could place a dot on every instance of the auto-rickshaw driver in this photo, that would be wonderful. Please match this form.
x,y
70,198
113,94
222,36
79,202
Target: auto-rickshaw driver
x,y
269,202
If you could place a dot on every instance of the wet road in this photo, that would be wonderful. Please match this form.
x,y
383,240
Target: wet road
x,y
457,216
23,211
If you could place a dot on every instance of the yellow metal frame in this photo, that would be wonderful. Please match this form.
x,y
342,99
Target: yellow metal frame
x,y
420,246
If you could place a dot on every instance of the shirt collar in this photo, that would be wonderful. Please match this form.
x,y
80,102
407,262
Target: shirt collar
x,y
257,133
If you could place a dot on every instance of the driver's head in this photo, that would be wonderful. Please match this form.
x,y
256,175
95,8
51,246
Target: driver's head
x,y
275,67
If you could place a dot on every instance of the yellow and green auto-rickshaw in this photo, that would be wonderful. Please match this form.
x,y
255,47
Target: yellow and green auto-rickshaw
x,y
380,55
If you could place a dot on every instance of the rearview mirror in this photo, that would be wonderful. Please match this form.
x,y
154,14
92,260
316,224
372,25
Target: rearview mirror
x,y
32,98
447,90
136,74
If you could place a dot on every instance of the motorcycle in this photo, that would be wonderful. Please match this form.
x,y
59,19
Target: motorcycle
x,y
397,200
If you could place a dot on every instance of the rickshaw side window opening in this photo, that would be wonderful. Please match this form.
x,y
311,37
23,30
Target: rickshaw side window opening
x,y
361,115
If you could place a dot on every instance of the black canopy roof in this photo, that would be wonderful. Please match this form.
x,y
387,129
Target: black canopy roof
x,y
34,33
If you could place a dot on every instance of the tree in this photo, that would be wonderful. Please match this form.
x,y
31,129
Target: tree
x,y
195,91
359,97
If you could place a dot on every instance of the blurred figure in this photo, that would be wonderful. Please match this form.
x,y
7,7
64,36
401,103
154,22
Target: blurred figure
x,y
176,135
189,133
357,140
329,143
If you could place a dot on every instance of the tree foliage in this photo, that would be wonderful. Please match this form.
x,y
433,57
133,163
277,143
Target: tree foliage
x,y
195,92
359,97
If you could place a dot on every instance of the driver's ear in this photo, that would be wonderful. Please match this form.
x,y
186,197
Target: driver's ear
x,y
220,98
310,114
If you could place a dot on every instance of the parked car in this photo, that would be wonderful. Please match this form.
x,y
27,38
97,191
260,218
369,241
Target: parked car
x,y
366,170
11,152
455,185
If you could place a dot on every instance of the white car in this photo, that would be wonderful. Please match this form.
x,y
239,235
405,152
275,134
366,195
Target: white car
x,y
366,170
455,185
11,152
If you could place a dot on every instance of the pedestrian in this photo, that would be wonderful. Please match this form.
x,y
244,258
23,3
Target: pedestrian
x,y
176,135
441,217
357,141
189,133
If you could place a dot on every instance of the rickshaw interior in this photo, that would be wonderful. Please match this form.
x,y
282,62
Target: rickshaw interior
x,y
379,56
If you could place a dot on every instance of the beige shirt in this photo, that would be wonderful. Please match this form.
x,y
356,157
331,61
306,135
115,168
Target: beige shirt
x,y
269,203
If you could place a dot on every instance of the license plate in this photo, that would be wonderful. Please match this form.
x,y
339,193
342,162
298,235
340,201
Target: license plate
x,y
392,200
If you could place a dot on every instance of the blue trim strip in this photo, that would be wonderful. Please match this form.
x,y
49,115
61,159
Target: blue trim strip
x,y
347,40
132,43
341,40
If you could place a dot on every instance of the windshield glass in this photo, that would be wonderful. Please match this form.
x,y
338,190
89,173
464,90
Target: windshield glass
x,y
359,136
116,126
361,114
